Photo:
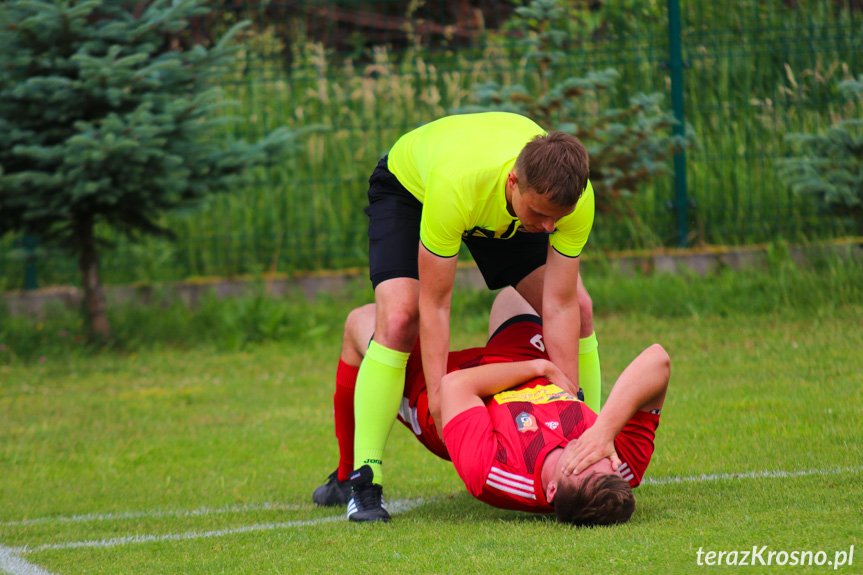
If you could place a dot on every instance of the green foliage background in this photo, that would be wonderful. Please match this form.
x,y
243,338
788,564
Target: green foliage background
x,y
828,166
757,71
828,282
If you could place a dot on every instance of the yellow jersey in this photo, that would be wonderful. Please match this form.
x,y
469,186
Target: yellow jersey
x,y
457,168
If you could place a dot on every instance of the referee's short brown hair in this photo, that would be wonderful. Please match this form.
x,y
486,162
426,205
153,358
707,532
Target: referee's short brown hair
x,y
555,164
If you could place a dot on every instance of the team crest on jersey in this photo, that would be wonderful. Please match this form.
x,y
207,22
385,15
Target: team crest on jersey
x,y
552,425
526,422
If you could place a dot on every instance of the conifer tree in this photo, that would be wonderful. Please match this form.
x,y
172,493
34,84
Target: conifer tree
x,y
828,167
109,120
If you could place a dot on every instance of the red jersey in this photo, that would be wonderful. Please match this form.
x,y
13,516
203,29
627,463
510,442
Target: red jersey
x,y
498,450
508,344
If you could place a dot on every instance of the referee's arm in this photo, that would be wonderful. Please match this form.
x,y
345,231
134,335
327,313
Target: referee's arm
x,y
436,275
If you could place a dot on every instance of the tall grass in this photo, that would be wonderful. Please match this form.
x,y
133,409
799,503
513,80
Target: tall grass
x,y
825,285
757,71
773,73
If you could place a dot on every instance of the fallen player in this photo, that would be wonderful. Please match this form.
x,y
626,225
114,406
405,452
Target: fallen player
x,y
516,438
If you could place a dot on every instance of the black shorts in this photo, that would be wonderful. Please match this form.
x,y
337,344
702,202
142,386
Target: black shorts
x,y
394,233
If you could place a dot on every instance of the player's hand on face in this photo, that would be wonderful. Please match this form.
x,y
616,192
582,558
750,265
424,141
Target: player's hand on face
x,y
589,448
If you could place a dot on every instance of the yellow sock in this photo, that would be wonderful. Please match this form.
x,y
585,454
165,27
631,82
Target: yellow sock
x,y
380,385
589,374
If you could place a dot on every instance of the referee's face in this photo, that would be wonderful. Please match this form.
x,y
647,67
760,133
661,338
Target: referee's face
x,y
536,213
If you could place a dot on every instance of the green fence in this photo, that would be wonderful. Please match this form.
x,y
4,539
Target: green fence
x,y
749,73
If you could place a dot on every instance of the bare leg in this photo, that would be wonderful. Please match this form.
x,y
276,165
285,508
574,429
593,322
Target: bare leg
x,y
531,289
397,318
508,303
359,328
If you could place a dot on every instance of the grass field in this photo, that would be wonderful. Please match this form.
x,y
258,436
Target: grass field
x,y
203,460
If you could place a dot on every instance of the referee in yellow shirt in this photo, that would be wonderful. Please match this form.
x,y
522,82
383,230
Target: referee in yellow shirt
x,y
520,199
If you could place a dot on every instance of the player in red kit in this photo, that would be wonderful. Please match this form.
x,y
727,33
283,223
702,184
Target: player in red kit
x,y
516,438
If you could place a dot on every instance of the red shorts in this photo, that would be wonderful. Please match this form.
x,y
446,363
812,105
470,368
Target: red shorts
x,y
518,339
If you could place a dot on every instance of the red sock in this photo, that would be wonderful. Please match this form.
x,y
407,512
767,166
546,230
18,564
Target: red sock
x,y
343,404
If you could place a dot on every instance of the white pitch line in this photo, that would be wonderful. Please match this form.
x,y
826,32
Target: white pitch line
x,y
200,511
206,511
130,539
14,565
750,475
395,507
7,554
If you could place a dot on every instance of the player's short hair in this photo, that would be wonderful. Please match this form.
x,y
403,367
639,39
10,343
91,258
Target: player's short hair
x,y
555,164
600,499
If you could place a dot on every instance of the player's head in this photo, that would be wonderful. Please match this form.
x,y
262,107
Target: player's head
x,y
596,496
554,165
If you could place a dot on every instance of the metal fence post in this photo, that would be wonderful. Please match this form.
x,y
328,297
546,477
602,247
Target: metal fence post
x,y
676,64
